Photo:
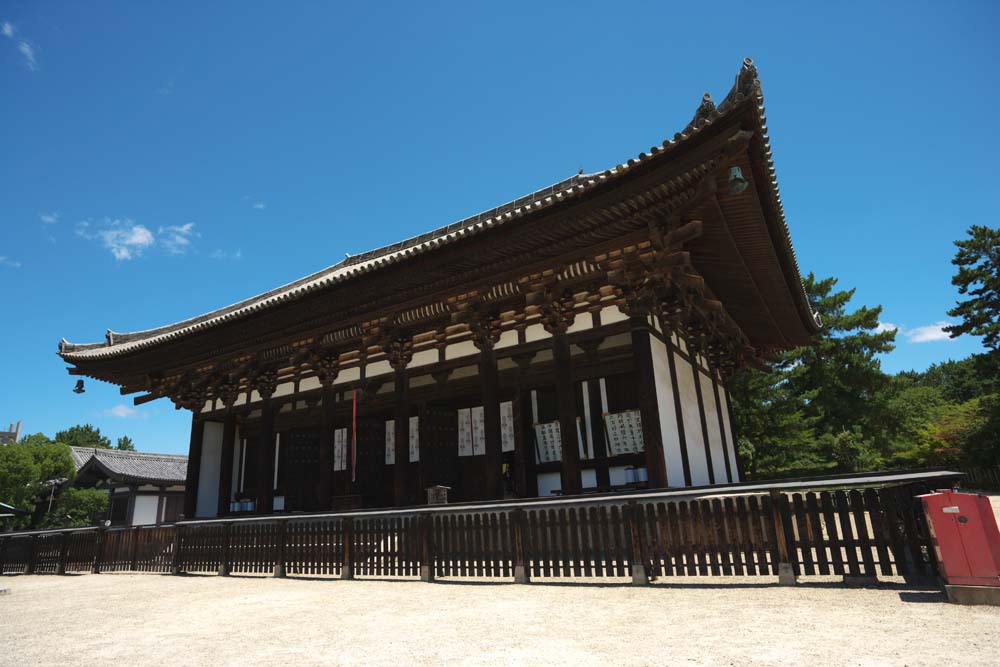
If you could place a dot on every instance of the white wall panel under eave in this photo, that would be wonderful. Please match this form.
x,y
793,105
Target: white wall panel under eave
x,y
464,349
730,436
547,483
211,465
714,430
612,314
423,358
691,417
669,429
144,512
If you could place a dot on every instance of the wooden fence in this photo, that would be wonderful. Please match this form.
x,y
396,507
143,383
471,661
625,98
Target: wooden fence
x,y
855,532
981,479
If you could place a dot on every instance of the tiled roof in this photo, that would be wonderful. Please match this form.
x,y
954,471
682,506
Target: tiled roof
x,y
135,467
746,91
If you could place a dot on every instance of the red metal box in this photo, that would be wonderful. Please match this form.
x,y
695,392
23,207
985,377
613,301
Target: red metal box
x,y
965,535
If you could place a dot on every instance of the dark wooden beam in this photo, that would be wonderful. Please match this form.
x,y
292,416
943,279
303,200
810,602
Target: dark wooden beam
x,y
193,468
226,471
265,458
566,403
491,420
326,436
401,415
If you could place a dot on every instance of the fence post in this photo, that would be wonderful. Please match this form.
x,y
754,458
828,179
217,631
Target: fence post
x,y
427,555
29,567
3,551
279,565
225,557
638,546
95,568
134,561
347,565
175,566
63,548
779,510
520,521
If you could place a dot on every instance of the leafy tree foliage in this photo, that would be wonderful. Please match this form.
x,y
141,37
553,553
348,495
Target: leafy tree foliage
x,y
84,436
76,508
125,444
28,469
978,262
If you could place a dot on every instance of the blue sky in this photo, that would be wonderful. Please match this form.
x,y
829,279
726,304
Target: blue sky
x,y
160,161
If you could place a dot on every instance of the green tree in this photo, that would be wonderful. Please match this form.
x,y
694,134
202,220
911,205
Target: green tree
x,y
125,444
31,472
978,262
841,370
83,436
76,508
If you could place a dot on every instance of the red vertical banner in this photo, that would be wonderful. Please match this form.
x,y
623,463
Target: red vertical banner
x,y
354,435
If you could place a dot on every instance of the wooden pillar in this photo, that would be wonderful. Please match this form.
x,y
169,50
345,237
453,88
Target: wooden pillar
x,y
642,355
63,551
265,459
279,565
193,468
401,416
225,558
326,436
226,472
347,549
489,382
95,567
427,556
602,470
572,483
519,518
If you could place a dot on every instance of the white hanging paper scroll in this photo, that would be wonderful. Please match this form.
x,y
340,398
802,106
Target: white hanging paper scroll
x,y
465,432
624,431
478,431
340,449
507,426
414,439
548,442
390,442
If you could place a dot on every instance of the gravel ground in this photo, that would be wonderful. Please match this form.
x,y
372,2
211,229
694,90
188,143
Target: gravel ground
x,y
247,621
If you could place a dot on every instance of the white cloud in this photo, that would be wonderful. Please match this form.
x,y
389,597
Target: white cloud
x,y
260,206
176,239
226,254
928,333
7,261
49,218
124,238
122,411
886,326
25,47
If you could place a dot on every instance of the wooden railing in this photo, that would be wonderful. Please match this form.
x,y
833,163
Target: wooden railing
x,y
859,532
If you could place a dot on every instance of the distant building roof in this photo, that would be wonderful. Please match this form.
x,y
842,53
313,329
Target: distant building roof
x,y
129,467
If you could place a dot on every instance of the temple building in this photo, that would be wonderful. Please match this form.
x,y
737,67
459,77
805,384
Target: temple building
x,y
578,339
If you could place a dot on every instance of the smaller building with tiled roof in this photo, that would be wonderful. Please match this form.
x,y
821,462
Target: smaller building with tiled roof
x,y
144,488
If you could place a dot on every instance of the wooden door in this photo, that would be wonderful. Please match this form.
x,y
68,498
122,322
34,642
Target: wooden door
x,y
439,450
300,477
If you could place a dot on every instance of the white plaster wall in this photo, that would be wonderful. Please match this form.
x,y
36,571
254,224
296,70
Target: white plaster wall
x,y
547,483
692,422
348,375
581,322
714,430
507,339
378,368
669,429
589,478
284,389
617,475
211,464
611,314
731,437
464,349
423,358
308,384
144,512
535,332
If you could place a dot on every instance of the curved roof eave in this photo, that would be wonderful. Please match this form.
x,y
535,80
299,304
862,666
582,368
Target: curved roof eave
x,y
746,91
